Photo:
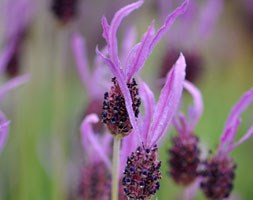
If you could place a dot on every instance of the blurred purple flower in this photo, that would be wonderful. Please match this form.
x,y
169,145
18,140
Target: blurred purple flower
x,y
95,177
199,21
217,182
17,15
185,153
98,166
124,71
4,122
93,79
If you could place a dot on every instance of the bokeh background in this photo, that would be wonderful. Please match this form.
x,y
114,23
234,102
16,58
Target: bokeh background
x,y
43,155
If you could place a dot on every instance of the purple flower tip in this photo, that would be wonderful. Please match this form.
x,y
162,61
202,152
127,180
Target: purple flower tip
x,y
233,121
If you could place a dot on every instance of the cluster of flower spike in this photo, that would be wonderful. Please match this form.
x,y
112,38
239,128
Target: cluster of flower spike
x,y
115,114
142,173
217,174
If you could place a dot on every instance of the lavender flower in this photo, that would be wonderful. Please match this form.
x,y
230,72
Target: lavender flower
x,y
217,182
125,89
142,172
184,153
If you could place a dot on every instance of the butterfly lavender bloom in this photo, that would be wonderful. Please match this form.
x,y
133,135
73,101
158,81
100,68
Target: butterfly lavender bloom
x,y
184,153
121,105
199,21
142,172
219,174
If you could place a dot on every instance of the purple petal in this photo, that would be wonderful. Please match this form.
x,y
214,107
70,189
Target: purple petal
x,y
115,70
106,28
13,83
233,120
196,110
90,141
148,100
169,21
168,100
80,54
247,135
140,53
128,43
4,130
118,17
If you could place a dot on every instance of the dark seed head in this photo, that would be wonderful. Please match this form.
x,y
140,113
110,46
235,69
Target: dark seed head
x,y
115,114
184,159
218,180
145,179
64,10
95,182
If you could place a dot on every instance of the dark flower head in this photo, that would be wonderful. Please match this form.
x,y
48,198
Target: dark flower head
x,y
184,154
95,182
184,159
217,181
114,109
142,173
219,172
64,10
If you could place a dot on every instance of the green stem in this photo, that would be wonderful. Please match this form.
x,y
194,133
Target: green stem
x,y
115,168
